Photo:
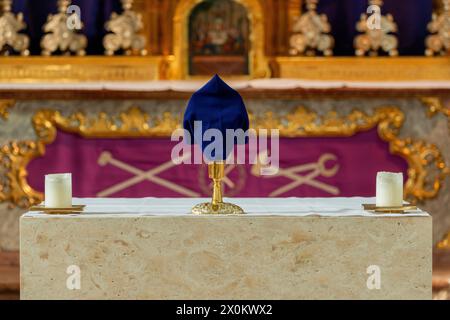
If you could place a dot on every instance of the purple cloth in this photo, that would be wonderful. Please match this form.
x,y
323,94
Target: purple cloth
x,y
359,158
216,106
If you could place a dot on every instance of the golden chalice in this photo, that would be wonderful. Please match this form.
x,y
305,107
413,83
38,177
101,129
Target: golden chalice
x,y
217,206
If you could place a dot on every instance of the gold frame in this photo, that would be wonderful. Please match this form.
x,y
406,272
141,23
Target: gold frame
x,y
258,65
302,122
131,68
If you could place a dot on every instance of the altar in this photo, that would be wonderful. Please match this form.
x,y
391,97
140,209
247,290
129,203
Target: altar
x,y
290,248
94,93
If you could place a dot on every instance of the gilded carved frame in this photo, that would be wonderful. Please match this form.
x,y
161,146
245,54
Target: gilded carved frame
x,y
5,105
424,160
258,65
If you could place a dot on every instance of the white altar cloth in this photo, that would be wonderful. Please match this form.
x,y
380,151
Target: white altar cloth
x,y
332,207
257,84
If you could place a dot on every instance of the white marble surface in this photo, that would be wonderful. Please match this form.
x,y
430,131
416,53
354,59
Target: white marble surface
x,y
333,207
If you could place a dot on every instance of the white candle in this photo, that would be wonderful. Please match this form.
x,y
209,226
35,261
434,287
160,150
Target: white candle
x,y
58,190
389,189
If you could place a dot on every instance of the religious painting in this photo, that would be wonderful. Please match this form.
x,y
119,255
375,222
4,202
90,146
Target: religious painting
x,y
219,38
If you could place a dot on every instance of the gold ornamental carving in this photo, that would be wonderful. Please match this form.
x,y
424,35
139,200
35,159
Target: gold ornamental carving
x,y
132,123
5,105
376,31
435,106
14,158
439,40
426,166
311,33
10,28
61,34
124,30
445,242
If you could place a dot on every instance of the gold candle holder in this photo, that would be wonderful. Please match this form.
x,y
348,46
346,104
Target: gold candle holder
x,y
216,171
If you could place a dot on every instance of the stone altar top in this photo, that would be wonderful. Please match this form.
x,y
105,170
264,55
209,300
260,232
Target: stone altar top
x,y
332,207
284,248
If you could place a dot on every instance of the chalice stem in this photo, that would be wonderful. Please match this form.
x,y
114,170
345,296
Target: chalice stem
x,y
217,192
216,173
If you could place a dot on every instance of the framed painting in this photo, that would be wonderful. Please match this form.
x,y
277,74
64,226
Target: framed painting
x,y
219,32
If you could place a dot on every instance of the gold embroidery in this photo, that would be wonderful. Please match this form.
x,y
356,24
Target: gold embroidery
x,y
426,166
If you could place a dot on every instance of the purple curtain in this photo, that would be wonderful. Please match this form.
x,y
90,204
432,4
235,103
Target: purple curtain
x,y
411,16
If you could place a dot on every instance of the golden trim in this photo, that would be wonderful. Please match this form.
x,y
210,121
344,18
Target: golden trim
x,y
435,106
14,159
259,67
132,68
74,69
365,69
423,181
132,123
5,105
445,242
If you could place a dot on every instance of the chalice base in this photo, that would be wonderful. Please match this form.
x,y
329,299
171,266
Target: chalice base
x,y
220,208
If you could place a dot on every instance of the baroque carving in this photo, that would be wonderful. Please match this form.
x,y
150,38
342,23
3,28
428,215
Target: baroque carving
x,y
124,28
128,124
5,105
435,106
10,27
439,40
426,166
376,31
311,33
14,158
445,242
61,35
